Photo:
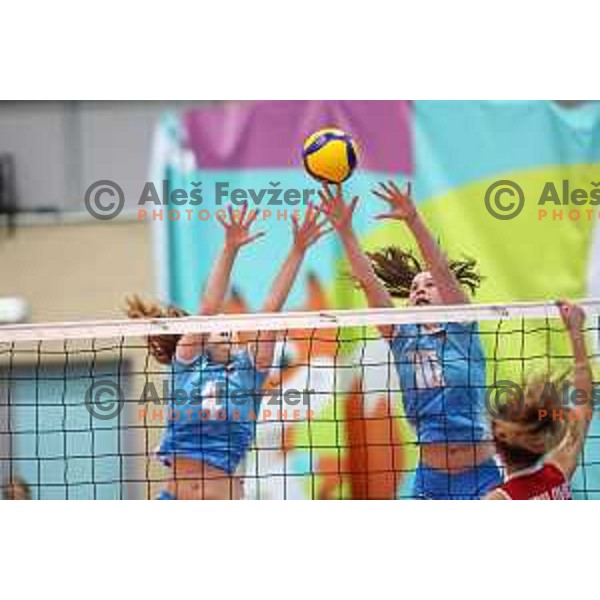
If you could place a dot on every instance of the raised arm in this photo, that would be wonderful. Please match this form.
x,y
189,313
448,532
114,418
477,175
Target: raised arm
x,y
304,236
402,208
340,216
237,235
566,454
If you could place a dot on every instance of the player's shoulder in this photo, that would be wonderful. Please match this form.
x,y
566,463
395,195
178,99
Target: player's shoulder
x,y
465,337
552,469
408,330
185,365
461,327
404,330
497,494
403,334
244,361
466,333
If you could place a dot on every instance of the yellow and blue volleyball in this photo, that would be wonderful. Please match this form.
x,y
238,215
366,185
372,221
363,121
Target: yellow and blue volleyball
x,y
330,155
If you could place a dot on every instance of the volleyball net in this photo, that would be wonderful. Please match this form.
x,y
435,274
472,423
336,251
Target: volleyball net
x,y
84,406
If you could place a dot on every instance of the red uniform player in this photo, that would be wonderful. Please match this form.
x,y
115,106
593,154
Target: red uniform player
x,y
539,451
546,482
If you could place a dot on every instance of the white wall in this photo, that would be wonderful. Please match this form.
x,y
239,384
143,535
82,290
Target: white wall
x,y
60,148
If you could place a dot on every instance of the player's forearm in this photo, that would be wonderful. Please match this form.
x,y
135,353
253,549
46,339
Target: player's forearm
x,y
218,282
282,286
565,456
362,269
437,263
582,378
284,281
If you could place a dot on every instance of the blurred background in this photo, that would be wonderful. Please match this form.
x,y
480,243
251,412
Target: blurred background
x,y
65,265
61,262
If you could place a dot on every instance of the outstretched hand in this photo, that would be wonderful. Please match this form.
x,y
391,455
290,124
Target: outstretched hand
x,y
310,230
237,227
401,205
335,209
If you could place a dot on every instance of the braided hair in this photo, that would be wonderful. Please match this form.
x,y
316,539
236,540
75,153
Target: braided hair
x,y
396,268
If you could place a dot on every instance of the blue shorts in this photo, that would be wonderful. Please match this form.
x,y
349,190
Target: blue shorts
x,y
472,484
164,495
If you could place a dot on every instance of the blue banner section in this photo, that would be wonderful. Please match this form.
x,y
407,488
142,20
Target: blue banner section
x,y
463,141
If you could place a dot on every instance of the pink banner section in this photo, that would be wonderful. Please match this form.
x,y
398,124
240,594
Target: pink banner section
x,y
270,133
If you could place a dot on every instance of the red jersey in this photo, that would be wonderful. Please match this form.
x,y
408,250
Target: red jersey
x,y
540,483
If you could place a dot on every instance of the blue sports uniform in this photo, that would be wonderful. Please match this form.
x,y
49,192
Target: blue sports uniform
x,y
213,411
442,377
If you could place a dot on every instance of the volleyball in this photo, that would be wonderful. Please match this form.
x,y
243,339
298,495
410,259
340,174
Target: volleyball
x,y
330,155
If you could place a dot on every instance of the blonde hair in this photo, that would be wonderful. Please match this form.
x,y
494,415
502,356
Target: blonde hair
x,y
162,347
524,427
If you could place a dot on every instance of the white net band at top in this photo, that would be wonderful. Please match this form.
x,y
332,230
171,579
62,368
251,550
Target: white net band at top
x,y
286,321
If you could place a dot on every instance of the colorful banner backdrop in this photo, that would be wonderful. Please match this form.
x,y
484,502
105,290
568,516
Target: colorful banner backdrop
x,y
454,152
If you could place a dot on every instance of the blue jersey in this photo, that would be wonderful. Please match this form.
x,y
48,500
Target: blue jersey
x,y
442,377
213,411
